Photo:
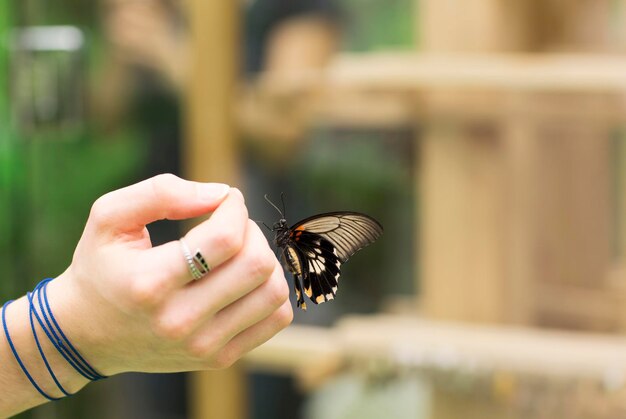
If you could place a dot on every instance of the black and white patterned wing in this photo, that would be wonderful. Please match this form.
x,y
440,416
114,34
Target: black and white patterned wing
x,y
346,231
321,244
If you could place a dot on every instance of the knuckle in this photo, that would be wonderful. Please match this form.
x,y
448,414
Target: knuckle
x,y
178,324
164,182
253,227
244,209
261,263
226,358
229,242
199,350
284,315
100,210
171,330
163,185
278,292
202,349
146,293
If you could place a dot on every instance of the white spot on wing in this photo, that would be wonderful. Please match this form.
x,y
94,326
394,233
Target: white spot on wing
x,y
315,267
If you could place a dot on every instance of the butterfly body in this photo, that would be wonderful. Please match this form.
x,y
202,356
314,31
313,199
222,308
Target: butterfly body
x,y
314,249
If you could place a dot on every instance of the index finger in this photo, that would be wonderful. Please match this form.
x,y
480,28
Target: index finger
x,y
219,239
161,197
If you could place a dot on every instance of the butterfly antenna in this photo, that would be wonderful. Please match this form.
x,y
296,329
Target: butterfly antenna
x,y
274,205
282,200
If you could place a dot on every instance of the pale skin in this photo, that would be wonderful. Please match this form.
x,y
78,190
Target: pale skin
x,y
129,306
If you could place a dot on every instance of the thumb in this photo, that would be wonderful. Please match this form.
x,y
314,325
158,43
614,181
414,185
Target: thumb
x,y
161,197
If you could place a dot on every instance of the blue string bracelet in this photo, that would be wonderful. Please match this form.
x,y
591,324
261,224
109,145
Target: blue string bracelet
x,y
41,352
54,337
92,371
60,341
17,357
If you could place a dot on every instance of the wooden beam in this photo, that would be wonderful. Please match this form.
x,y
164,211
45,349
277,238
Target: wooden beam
x,y
391,89
414,71
410,342
520,72
286,352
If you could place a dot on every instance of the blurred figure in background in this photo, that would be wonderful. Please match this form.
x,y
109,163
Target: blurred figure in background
x,y
144,71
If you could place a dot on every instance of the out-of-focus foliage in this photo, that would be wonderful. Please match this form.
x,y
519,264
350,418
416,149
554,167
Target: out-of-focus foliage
x,y
375,25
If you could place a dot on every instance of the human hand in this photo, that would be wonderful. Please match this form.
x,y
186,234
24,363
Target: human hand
x,y
129,306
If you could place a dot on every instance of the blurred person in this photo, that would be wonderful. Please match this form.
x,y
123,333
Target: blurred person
x,y
143,79
127,305
148,55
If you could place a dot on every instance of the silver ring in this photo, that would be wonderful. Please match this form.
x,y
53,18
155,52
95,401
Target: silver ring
x,y
196,263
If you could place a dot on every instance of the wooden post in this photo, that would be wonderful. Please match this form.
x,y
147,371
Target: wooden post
x,y
514,227
463,176
480,249
462,255
619,273
520,151
211,151
211,154
475,26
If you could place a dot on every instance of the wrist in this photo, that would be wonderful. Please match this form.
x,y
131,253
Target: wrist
x,y
73,309
11,374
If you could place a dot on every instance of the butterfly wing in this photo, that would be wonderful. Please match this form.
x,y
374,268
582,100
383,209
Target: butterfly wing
x,y
320,267
346,231
322,243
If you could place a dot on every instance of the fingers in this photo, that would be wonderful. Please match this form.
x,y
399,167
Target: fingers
x,y
223,235
190,306
254,336
219,239
161,197
242,314
239,305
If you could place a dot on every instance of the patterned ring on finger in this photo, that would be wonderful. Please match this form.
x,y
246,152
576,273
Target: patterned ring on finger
x,y
196,264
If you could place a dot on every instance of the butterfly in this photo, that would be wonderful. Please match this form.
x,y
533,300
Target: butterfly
x,y
313,249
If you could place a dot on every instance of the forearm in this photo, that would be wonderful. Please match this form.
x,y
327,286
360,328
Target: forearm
x,y
19,393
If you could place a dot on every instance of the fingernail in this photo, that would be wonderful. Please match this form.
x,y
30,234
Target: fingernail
x,y
212,191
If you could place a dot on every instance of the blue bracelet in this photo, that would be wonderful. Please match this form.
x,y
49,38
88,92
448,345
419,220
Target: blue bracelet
x,y
58,338
43,356
17,357
53,331
54,337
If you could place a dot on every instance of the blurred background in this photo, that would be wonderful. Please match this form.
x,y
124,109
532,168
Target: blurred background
x,y
486,136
